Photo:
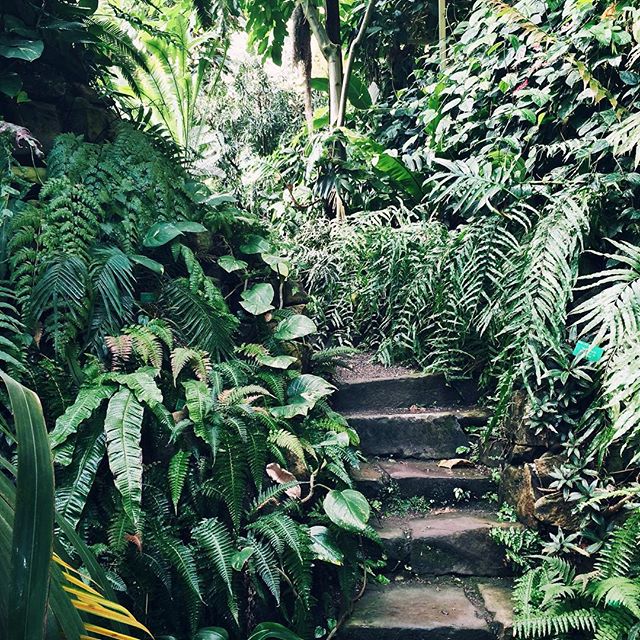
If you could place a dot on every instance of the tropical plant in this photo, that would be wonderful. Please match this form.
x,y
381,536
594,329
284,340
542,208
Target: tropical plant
x,y
553,601
194,448
180,58
45,593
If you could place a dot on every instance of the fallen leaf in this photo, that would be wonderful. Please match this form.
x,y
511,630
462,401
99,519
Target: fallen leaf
x,y
455,462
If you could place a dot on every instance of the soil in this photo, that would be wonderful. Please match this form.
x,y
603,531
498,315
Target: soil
x,y
362,367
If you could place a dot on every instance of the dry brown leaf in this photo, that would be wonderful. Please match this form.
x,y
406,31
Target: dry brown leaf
x,y
455,462
282,476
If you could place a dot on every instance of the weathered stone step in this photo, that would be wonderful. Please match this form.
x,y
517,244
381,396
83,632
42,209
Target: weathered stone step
x,y
421,478
428,435
445,543
417,612
402,392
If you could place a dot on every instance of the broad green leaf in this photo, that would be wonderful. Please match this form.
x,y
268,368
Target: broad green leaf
x,y
32,538
348,509
20,48
152,265
302,394
10,84
277,362
255,244
211,633
160,233
187,226
357,92
324,546
297,326
231,264
122,427
257,300
272,631
385,163
278,264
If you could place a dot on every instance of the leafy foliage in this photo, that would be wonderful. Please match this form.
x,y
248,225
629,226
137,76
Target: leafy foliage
x,y
553,602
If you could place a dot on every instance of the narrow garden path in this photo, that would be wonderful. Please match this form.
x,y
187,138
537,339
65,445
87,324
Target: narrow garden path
x,y
448,579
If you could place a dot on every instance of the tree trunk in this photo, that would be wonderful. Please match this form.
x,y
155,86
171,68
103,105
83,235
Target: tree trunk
x,y
334,60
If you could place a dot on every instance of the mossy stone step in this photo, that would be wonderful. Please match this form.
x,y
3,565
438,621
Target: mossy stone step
x,y
417,612
445,543
428,435
408,478
402,392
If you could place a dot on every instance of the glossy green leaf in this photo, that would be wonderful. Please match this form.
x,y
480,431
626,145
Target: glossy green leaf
x,y
324,546
296,326
272,631
231,264
211,633
277,362
257,300
348,509
20,48
240,558
152,265
32,540
255,244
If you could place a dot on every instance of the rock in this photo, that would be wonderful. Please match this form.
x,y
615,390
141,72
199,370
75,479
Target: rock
x,y
400,392
526,443
545,465
553,509
88,119
497,601
516,488
416,612
428,436
457,544
407,478
520,487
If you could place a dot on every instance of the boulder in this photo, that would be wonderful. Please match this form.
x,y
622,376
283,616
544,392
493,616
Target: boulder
x,y
516,488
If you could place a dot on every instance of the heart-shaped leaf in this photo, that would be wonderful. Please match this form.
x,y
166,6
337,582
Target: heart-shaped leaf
x,y
348,509
296,326
277,362
160,233
255,244
231,264
20,49
257,300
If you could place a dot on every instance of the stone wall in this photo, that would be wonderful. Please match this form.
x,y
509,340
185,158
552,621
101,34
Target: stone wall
x,y
57,105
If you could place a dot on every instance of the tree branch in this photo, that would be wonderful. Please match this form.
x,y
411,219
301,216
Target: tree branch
x,y
348,67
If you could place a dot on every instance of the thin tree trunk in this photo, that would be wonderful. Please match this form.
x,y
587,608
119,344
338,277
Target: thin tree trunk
x,y
334,61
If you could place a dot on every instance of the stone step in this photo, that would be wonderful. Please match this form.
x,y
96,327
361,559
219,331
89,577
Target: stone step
x,y
417,612
496,599
428,435
445,543
402,391
408,478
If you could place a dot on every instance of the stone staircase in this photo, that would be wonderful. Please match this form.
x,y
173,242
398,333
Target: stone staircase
x,y
448,579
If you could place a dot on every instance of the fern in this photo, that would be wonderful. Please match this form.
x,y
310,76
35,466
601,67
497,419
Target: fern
x,y
217,543
176,475
122,428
